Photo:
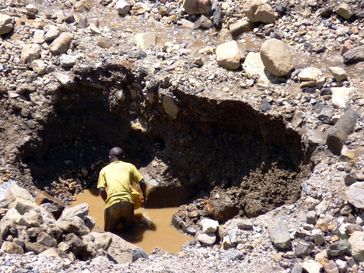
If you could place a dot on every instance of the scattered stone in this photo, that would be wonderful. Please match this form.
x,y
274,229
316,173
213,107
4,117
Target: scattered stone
x,y
344,11
52,33
311,217
228,55
170,107
123,7
206,239
30,53
339,73
338,134
253,65
80,211
197,6
61,44
356,242
146,40
46,240
355,195
310,74
6,24
340,96
311,266
203,22
12,248
279,234
260,12
38,37
303,249
209,225
239,27
246,224
140,8
331,267
67,61
339,248
65,79
354,55
276,57
350,179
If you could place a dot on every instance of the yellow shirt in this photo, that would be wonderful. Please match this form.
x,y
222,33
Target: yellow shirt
x,y
117,178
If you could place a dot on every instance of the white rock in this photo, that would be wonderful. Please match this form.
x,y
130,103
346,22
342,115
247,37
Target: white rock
x,y
39,36
123,7
355,195
356,242
61,44
209,225
52,33
338,73
80,210
145,40
207,239
253,65
228,55
67,61
340,96
309,74
260,11
322,207
311,266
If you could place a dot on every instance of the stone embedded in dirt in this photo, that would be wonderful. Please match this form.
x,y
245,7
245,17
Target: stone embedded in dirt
x,y
276,57
6,24
30,219
145,40
356,242
311,266
228,55
338,73
34,247
331,267
122,251
61,44
39,67
253,65
53,253
122,7
209,225
76,246
340,96
303,249
279,233
11,248
350,179
338,134
170,107
197,6
339,248
65,79
344,10
203,23
206,239
46,240
354,55
221,208
52,33
239,27
355,195
38,36
311,217
30,53
260,12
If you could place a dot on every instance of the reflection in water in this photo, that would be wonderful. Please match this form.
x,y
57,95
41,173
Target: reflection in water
x,y
163,235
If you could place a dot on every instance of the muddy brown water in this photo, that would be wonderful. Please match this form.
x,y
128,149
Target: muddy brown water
x,y
165,236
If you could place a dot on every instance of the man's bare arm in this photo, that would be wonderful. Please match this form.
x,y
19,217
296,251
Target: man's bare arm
x,y
103,193
143,187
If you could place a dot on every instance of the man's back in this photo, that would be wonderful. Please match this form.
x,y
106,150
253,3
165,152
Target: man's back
x,y
117,178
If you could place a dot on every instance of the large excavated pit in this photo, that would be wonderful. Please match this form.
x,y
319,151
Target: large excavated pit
x,y
214,149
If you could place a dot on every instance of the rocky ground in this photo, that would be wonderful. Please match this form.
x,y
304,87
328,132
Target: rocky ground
x,y
251,108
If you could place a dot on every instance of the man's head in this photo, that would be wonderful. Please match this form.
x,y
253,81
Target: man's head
x,y
116,153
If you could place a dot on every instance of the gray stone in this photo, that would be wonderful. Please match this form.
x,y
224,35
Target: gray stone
x,y
297,268
145,40
239,27
331,267
245,224
309,74
354,55
260,12
209,225
356,242
76,226
303,249
67,61
355,195
203,23
338,73
350,179
61,44
38,36
65,79
80,210
339,248
279,233
122,251
206,239
34,247
6,24
311,217
338,134
344,11
197,6
123,7
52,33
232,255
228,55
12,248
46,240
311,266
170,107
276,57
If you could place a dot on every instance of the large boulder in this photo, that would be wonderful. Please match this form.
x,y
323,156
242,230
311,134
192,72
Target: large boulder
x,y
6,24
276,57
279,233
356,242
197,6
80,210
121,251
228,55
76,225
338,134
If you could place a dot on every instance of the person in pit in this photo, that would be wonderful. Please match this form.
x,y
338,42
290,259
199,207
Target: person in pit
x,y
115,186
